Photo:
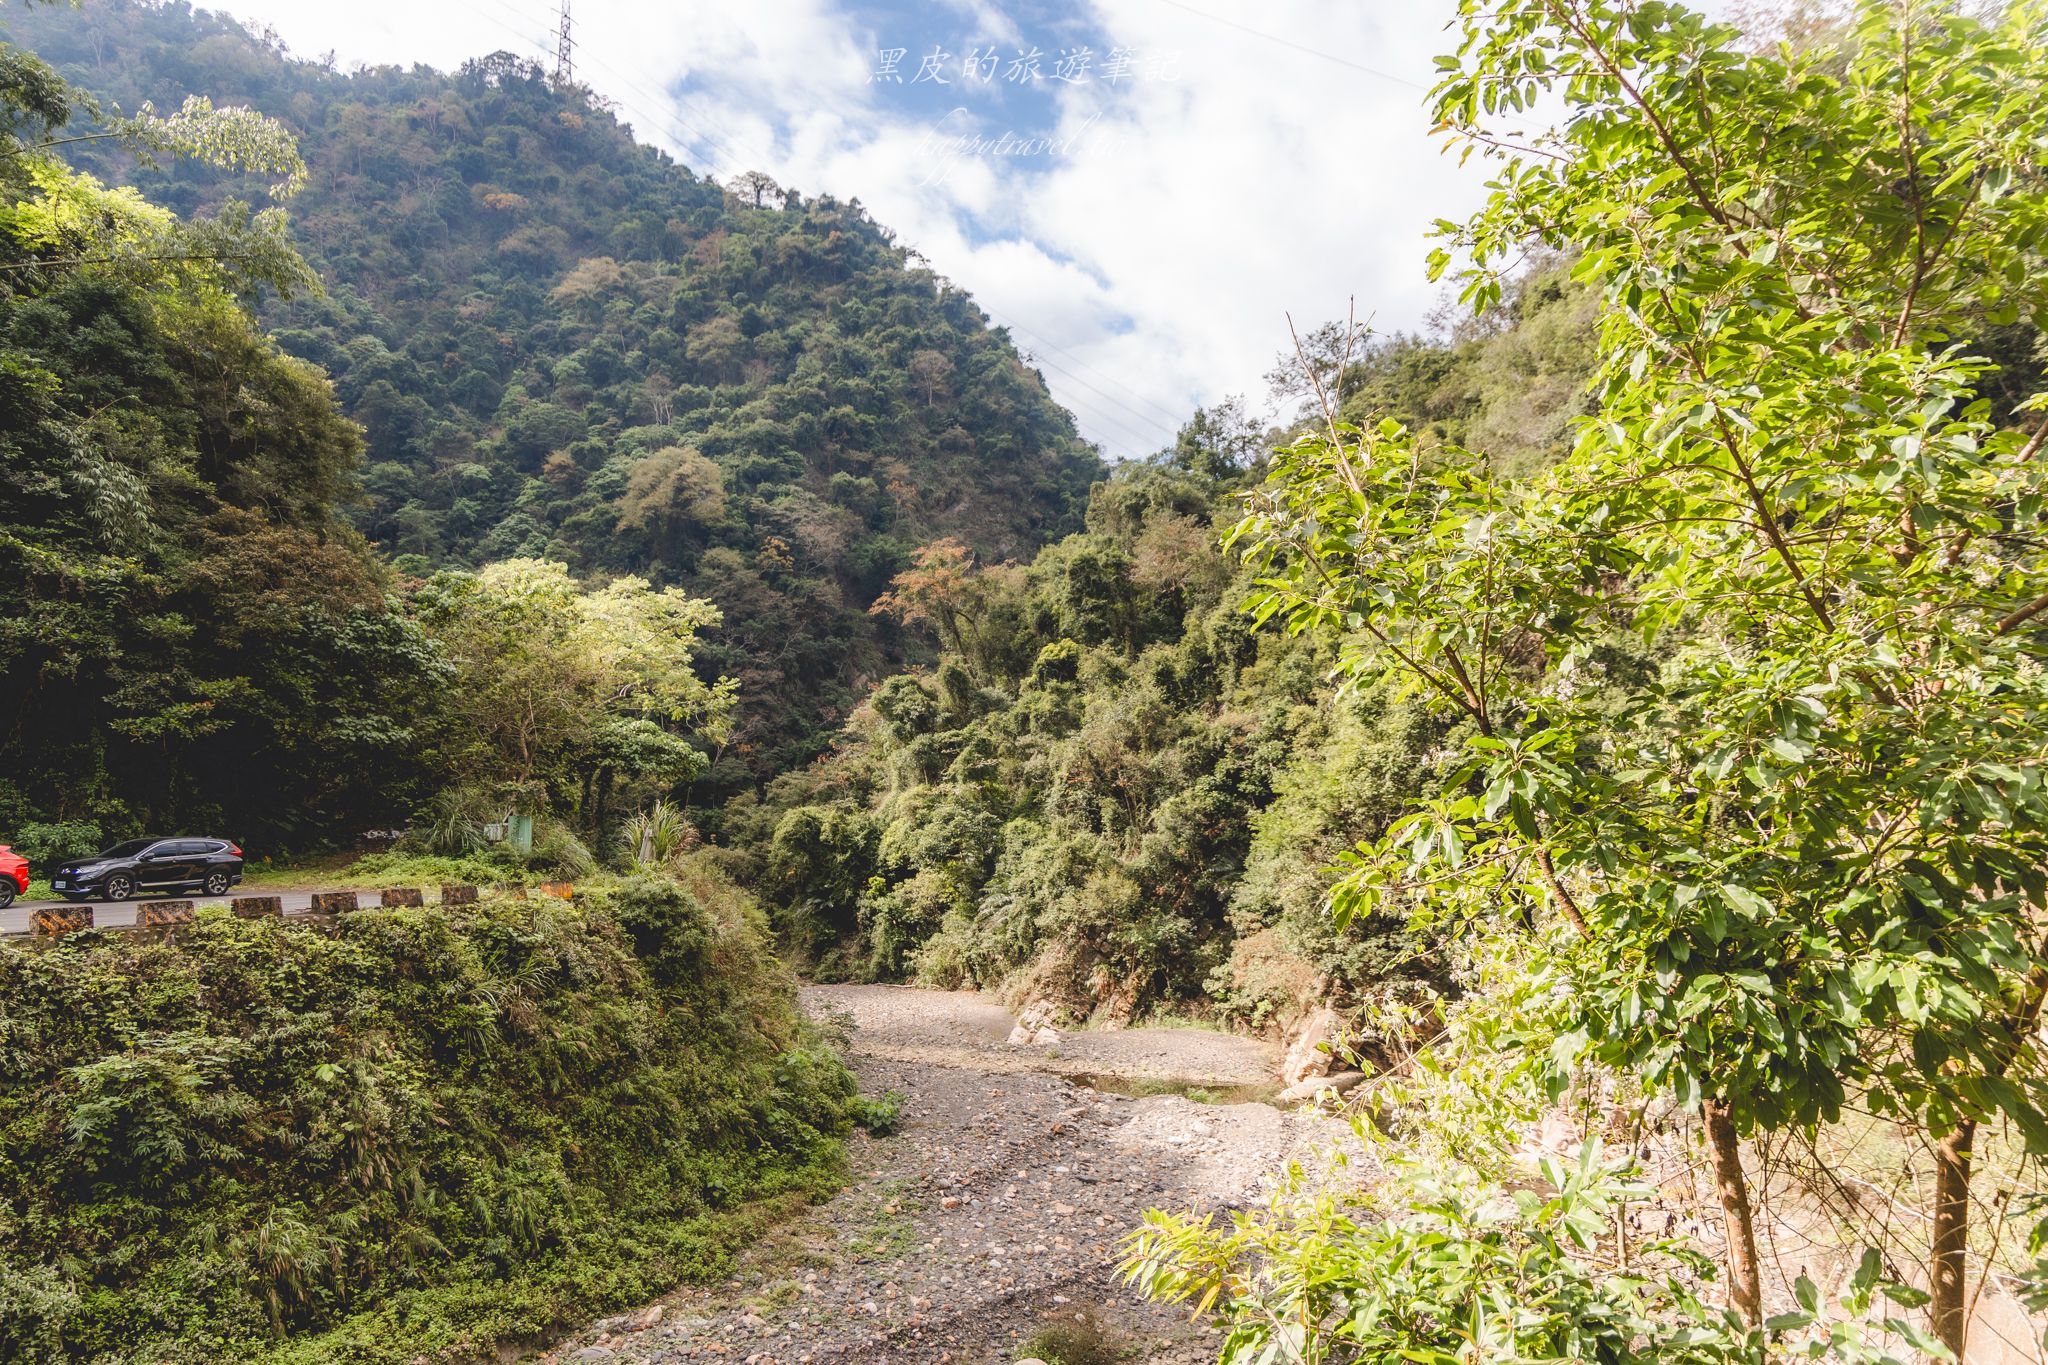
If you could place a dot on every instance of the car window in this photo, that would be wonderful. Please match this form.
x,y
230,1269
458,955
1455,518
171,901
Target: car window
x,y
128,848
182,848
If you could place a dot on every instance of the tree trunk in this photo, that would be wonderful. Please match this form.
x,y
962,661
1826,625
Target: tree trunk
x,y
1745,1284
1950,1310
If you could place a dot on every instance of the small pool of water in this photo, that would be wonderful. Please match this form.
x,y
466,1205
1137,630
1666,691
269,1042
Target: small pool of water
x,y
1201,1092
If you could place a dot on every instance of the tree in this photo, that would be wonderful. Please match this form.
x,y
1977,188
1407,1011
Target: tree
x,y
1220,442
672,493
544,672
930,370
941,589
60,221
195,636
757,187
1801,853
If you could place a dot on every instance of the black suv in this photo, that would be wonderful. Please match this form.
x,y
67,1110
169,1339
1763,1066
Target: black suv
x,y
141,866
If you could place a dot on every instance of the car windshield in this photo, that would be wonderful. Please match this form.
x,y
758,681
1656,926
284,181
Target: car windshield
x,y
128,849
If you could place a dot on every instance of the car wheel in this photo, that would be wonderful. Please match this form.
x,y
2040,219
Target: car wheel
x,y
216,883
6,892
118,888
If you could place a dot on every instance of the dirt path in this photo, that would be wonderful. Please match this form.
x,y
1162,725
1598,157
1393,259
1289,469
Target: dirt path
x,y
996,1212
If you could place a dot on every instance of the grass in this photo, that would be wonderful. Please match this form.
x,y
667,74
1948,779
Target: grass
x,y
780,1294
893,1234
304,872
426,1135
1075,1340
353,871
1144,1087
1169,1019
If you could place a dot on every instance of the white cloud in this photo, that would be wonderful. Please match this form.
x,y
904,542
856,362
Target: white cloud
x,y
1150,267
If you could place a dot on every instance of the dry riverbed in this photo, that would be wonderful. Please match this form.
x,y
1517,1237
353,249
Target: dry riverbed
x,y
995,1213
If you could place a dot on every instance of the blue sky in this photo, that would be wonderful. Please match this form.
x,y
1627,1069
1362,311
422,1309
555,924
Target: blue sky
x,y
1143,202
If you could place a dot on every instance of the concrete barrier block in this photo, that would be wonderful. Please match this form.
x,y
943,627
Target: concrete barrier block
x,y
333,902
151,913
53,920
561,891
458,895
394,896
257,907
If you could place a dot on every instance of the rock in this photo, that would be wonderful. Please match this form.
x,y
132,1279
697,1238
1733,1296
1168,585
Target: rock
x,y
1030,1360
1316,1086
1044,1037
1312,1046
591,1355
649,1318
1020,1036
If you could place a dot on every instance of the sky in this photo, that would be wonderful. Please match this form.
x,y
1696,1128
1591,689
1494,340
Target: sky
x,y
1142,191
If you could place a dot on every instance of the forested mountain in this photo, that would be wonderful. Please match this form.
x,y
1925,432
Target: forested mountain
x,y
560,344
394,1133
1115,795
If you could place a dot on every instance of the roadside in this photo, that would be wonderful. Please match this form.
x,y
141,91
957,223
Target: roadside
x,y
293,883
995,1215
121,914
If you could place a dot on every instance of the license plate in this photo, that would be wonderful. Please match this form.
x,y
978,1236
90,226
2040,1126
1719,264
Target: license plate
x,y
59,884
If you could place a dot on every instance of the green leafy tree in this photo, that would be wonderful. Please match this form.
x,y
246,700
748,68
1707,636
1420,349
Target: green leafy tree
x,y
190,624
1804,855
549,677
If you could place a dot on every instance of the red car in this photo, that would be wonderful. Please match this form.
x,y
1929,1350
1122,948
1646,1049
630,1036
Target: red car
x,y
13,876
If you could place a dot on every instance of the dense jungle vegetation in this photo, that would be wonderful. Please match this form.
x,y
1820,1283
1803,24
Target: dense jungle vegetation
x,y
1737,844
558,345
426,1133
1114,794
434,1132
1627,700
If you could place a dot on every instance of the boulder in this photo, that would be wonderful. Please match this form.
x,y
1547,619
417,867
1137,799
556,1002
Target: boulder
x,y
1318,1087
1313,1046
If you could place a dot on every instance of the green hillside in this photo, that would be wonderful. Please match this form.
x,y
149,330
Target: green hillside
x,y
562,344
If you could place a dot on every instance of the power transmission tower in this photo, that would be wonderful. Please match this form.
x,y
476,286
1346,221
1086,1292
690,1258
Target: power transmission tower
x,y
565,63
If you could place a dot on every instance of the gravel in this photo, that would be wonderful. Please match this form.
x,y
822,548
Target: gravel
x,y
999,1206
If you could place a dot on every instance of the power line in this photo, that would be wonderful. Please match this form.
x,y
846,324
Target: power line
x,y
1166,413
1298,47
1144,425
522,35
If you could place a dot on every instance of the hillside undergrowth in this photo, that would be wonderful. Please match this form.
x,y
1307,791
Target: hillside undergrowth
x,y
420,1136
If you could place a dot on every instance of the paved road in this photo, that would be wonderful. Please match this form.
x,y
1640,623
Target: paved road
x,y
110,914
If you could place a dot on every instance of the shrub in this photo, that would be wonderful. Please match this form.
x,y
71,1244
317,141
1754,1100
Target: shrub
x,y
1079,1340
879,1115
45,844
423,1133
